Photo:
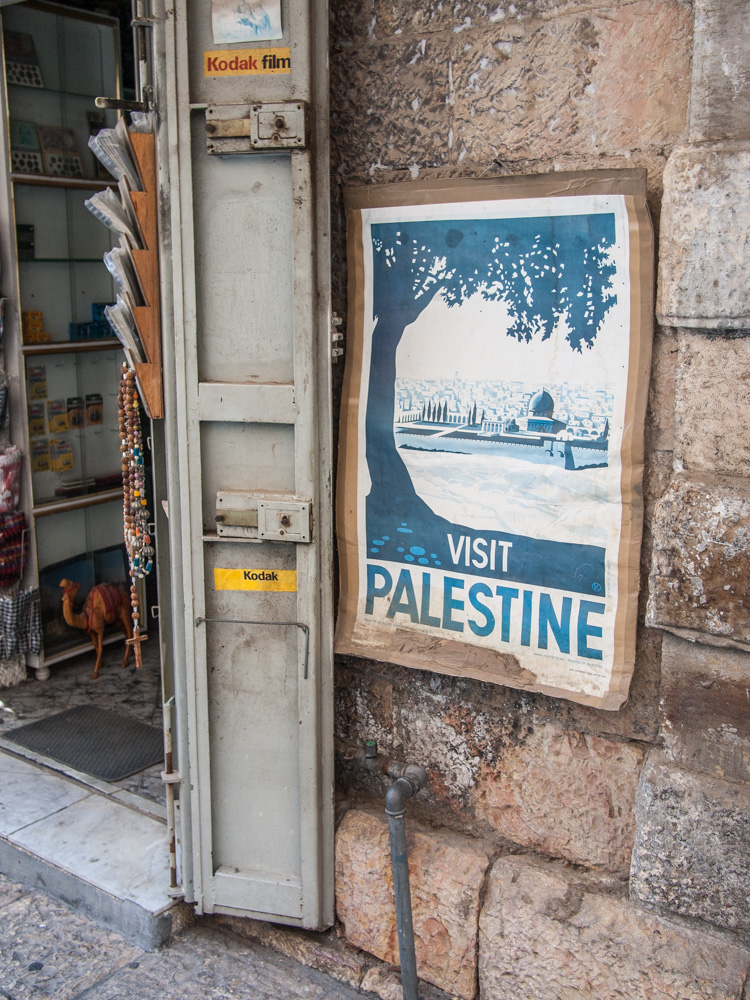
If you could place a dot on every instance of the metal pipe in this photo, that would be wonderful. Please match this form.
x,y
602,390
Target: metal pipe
x,y
411,779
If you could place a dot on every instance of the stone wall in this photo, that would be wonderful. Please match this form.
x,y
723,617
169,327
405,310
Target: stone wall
x,y
559,850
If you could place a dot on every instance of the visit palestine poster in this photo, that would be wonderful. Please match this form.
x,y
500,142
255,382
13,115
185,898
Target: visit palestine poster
x,y
498,352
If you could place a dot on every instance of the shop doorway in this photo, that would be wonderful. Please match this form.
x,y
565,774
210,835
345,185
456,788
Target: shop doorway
x,y
83,811
241,667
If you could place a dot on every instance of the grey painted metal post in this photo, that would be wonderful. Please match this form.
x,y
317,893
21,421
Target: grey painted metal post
x,y
412,779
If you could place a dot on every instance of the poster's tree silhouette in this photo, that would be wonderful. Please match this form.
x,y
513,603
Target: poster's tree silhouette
x,y
547,271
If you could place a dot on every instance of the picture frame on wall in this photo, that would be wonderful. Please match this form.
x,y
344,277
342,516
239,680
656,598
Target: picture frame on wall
x,y
62,157
25,150
21,62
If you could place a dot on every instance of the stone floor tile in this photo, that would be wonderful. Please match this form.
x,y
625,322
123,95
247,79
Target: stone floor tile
x,y
148,784
208,964
132,692
29,794
87,838
48,950
9,891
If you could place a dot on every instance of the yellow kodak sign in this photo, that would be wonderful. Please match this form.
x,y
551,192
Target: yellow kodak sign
x,y
256,579
246,62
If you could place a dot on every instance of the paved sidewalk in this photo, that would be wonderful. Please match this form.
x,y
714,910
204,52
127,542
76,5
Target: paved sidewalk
x,y
47,949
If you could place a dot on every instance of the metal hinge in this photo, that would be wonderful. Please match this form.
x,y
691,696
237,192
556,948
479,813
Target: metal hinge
x,y
336,338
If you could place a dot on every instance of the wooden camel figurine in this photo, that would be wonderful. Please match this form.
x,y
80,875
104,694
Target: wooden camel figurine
x,y
105,604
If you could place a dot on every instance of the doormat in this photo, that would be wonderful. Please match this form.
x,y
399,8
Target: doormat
x,y
92,740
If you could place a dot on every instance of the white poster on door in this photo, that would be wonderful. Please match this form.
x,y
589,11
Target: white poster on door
x,y
245,20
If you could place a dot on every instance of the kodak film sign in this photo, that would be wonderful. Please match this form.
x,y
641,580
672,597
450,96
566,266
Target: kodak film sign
x,y
278,580
246,62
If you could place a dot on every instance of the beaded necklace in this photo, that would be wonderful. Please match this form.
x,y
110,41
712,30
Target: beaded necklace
x,y
135,515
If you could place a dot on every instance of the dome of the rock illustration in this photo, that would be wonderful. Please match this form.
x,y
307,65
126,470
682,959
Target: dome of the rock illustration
x,y
541,404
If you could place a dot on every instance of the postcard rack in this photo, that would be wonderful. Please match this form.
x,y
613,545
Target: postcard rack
x,y
146,263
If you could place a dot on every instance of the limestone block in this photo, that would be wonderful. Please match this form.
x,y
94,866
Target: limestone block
x,y
658,474
451,724
721,71
390,108
606,80
322,951
567,794
402,17
349,21
546,933
420,87
704,255
385,982
382,19
692,848
712,392
447,873
701,559
704,708
637,719
364,706
661,390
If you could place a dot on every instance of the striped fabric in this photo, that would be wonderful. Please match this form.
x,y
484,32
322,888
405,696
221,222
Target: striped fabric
x,y
20,624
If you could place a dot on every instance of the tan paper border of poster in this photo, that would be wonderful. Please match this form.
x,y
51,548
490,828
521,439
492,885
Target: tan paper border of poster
x,y
447,656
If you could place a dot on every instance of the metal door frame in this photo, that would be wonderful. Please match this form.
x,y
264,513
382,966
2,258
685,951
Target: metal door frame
x,y
182,565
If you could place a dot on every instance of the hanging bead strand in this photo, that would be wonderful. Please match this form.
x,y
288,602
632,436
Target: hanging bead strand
x,y
135,514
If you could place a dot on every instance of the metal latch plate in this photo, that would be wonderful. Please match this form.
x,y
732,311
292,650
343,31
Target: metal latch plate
x,y
238,128
284,522
236,514
279,517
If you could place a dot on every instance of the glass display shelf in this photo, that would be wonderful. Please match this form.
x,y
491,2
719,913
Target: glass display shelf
x,y
72,346
74,183
89,96
57,61
77,502
60,260
83,545
74,439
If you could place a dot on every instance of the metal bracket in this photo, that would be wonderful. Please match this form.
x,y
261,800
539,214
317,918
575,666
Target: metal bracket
x,y
238,128
337,338
146,103
249,621
114,104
